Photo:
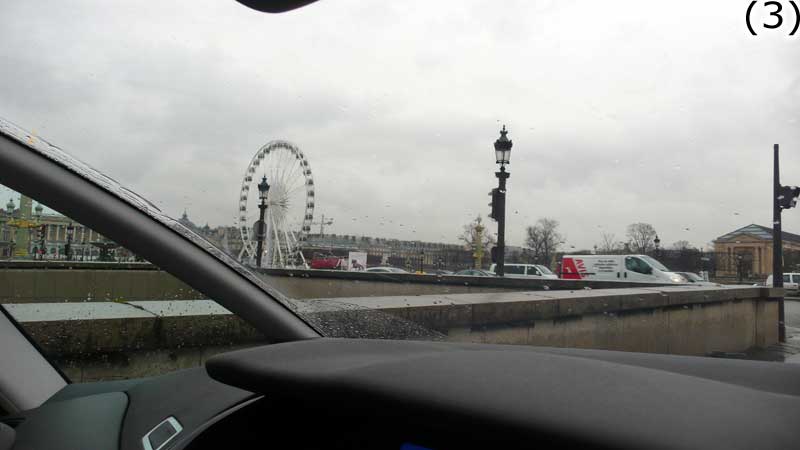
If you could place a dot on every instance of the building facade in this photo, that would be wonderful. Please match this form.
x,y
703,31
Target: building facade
x,y
746,253
28,232
226,238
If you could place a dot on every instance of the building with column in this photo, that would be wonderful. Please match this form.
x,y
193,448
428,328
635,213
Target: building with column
x,y
746,253
21,234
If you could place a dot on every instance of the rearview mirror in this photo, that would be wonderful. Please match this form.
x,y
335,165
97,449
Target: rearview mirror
x,y
275,6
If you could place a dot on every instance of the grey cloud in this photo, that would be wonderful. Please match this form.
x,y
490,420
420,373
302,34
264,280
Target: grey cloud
x,y
618,114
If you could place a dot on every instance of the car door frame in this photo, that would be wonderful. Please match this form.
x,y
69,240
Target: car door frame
x,y
537,274
633,275
53,178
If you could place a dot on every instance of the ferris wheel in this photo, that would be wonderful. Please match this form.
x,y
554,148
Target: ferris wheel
x,y
290,205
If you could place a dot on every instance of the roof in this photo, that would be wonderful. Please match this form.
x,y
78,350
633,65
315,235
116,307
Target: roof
x,y
760,232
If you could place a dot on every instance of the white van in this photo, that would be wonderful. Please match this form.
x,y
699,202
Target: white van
x,y
791,282
525,271
617,268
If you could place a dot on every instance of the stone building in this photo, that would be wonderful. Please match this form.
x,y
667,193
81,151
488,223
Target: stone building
x,y
746,253
20,236
226,238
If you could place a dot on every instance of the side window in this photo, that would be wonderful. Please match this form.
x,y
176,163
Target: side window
x,y
637,265
515,270
786,278
533,271
97,310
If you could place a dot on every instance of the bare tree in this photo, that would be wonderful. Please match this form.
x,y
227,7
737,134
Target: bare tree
x,y
641,236
543,239
682,245
609,244
476,239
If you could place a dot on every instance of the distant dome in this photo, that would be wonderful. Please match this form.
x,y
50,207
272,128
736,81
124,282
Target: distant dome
x,y
185,221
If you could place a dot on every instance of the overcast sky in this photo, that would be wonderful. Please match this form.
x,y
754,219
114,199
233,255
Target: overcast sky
x,y
620,111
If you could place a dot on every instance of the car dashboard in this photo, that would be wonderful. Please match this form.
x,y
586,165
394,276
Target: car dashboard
x,y
346,394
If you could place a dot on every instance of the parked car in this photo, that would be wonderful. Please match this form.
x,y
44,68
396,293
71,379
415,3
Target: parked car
x,y
441,272
475,273
385,269
525,271
617,268
791,282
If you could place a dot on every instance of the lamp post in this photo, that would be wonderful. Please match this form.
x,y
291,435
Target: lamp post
x,y
263,190
70,235
740,267
11,231
657,242
37,217
5,231
502,151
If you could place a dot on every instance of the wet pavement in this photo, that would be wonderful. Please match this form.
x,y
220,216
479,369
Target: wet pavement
x,y
788,351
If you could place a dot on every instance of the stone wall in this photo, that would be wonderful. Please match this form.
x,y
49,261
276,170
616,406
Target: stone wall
x,y
98,340
78,282
78,285
676,320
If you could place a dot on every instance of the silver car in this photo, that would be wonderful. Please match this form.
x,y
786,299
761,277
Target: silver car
x,y
525,271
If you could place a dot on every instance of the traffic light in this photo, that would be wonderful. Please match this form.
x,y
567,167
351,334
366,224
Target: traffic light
x,y
496,204
787,196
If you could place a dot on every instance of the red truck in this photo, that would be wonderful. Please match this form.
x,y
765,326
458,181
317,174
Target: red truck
x,y
330,262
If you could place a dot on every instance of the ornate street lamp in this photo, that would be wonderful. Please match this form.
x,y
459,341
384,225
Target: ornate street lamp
x,y
37,217
740,267
502,151
263,190
12,227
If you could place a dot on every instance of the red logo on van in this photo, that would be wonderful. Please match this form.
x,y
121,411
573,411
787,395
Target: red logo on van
x,y
573,269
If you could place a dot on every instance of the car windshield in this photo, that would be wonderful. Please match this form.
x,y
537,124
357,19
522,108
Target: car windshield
x,y
350,158
655,264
